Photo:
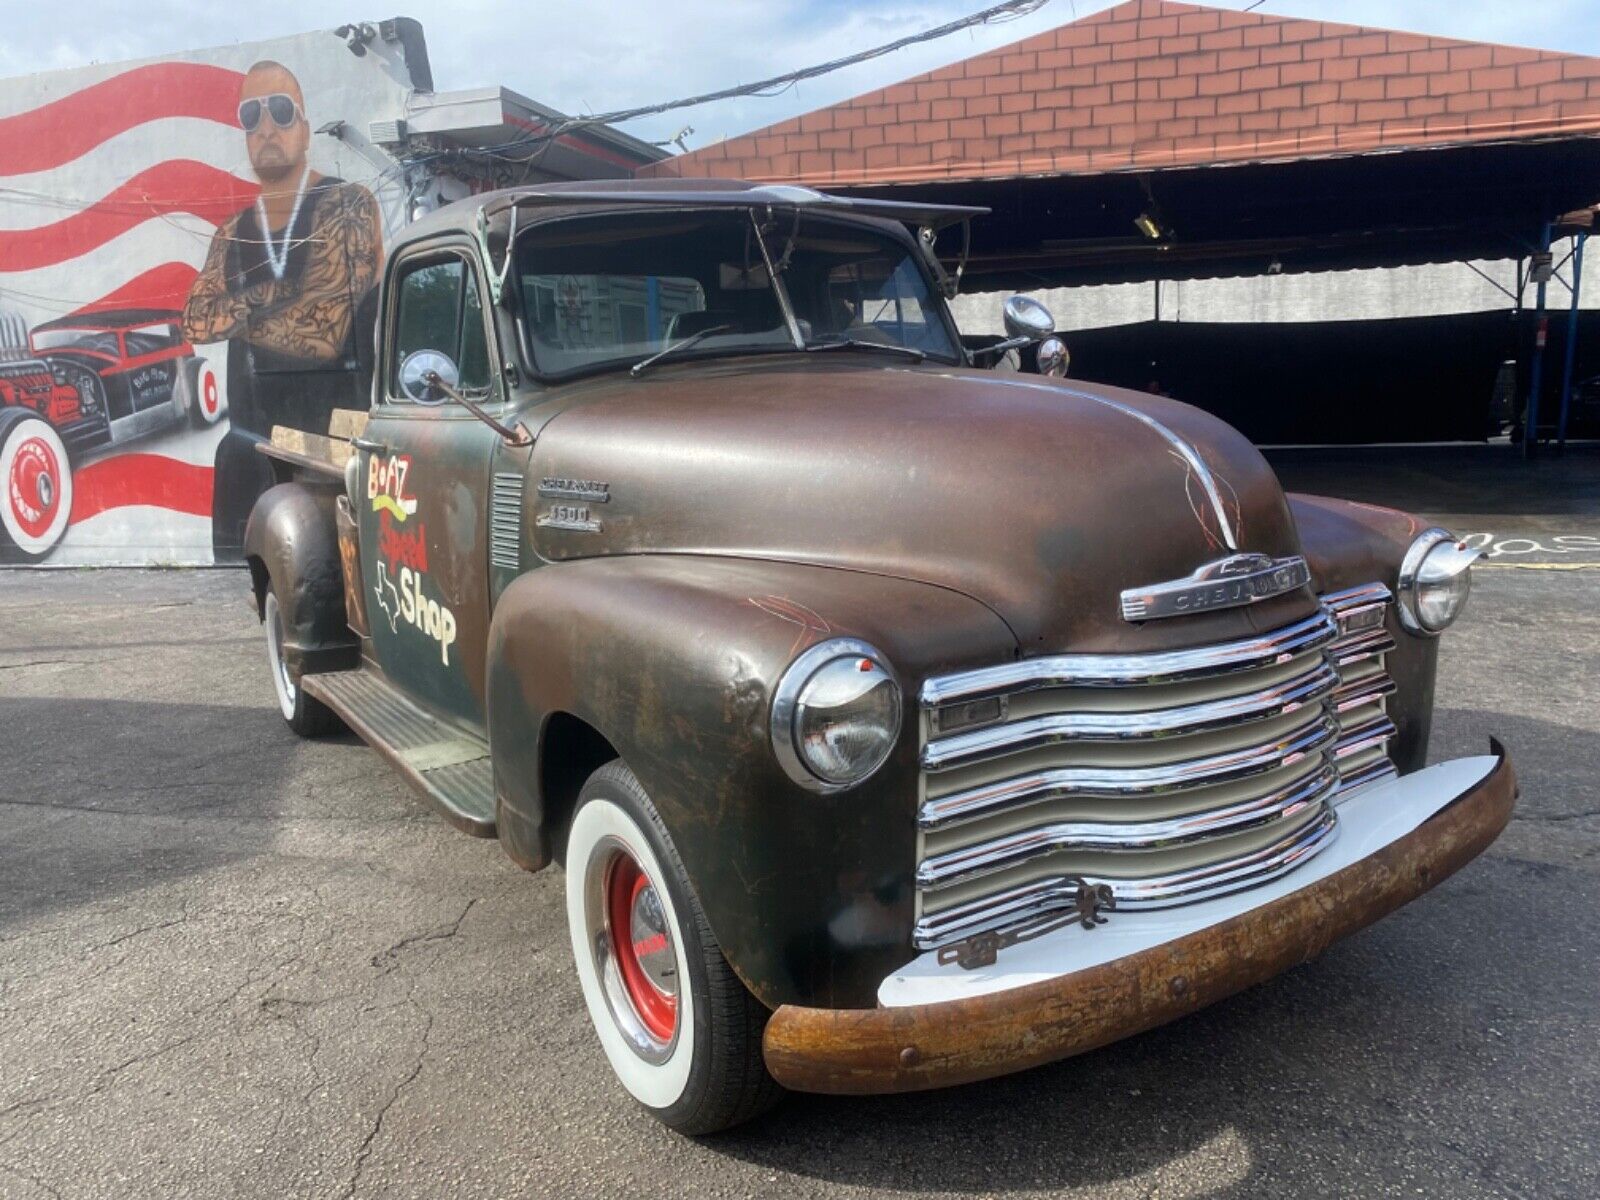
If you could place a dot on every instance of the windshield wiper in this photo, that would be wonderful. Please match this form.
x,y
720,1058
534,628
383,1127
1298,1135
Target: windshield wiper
x,y
693,339
910,352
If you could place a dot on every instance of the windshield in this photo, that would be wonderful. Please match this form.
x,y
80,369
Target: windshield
x,y
99,341
616,289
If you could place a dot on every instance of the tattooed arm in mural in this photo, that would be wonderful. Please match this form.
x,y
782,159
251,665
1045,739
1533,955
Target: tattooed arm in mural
x,y
213,311
307,317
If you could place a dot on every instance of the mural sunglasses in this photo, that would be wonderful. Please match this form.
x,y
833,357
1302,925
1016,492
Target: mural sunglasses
x,y
282,108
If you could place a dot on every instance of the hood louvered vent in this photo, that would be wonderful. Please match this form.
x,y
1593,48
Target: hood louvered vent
x,y
505,521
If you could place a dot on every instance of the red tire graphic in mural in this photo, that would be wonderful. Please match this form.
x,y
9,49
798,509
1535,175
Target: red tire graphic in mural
x,y
202,395
36,479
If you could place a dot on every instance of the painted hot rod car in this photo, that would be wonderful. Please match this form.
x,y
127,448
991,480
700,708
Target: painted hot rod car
x,y
897,723
79,383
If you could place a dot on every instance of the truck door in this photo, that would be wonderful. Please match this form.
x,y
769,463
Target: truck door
x,y
424,482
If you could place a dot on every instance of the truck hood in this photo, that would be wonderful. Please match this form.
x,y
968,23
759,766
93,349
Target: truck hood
x,y
1042,499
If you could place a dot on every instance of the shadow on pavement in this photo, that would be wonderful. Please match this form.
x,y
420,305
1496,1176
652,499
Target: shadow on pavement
x,y
100,797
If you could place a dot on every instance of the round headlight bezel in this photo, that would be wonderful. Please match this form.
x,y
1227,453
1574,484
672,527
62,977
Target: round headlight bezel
x,y
790,693
1435,556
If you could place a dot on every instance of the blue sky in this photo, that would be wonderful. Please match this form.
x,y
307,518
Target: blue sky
x,y
608,54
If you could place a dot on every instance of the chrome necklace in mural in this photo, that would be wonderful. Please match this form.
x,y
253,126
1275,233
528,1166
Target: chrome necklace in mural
x,y
278,251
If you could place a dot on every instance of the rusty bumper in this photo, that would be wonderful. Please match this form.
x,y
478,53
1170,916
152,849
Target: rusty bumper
x,y
960,1040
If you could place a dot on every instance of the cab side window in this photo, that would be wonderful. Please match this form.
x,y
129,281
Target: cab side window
x,y
437,308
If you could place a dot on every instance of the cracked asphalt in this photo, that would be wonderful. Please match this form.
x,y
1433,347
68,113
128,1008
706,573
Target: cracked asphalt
x,y
237,964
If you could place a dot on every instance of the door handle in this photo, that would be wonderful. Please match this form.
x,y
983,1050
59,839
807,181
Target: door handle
x,y
371,447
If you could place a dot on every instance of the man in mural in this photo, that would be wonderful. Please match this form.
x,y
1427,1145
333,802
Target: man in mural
x,y
288,283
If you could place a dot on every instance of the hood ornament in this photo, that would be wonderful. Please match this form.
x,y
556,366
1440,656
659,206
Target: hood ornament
x,y
1230,582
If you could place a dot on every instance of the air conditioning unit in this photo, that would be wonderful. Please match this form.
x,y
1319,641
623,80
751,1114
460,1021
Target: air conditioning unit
x,y
388,133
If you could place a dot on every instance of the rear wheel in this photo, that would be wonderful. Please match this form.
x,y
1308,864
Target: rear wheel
x,y
35,485
306,715
206,389
680,1030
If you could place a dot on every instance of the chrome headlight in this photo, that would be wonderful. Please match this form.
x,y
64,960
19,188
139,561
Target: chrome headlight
x,y
1434,582
835,715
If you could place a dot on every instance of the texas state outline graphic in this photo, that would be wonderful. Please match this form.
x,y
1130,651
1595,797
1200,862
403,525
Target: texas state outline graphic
x,y
390,609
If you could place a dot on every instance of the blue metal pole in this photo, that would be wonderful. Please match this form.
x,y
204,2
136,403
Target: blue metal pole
x,y
1572,340
1530,433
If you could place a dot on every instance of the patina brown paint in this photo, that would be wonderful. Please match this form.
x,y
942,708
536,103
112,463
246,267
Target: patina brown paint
x,y
673,659
952,518
291,541
1032,497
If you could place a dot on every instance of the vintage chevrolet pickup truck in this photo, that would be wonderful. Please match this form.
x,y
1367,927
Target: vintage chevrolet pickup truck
x,y
897,723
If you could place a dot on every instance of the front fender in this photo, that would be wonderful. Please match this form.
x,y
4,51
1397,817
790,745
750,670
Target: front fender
x,y
1347,544
292,540
673,660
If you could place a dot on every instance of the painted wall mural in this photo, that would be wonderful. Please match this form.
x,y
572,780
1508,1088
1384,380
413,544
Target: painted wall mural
x,y
188,254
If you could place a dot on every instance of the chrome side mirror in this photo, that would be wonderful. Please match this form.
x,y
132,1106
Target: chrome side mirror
x,y
1053,357
421,371
1026,318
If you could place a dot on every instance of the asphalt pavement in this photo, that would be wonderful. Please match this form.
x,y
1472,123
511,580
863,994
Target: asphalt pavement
x,y
233,963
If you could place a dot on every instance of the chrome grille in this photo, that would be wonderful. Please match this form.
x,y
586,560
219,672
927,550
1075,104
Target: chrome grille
x,y
505,520
1360,702
1168,777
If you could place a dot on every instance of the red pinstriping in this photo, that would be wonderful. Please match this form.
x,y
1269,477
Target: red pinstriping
x,y
178,185
62,130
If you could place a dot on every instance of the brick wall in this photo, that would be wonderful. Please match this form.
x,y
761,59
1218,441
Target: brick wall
x,y
1151,84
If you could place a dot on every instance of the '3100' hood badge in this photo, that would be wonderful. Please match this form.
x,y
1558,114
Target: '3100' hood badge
x,y
1230,582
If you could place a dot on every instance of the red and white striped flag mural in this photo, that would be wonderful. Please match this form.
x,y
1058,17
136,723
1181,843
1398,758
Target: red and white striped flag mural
x,y
120,187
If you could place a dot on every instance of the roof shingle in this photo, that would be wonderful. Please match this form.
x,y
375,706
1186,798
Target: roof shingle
x,y
1151,84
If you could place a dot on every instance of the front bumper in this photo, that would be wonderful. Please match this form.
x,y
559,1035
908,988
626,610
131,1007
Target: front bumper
x,y
1076,990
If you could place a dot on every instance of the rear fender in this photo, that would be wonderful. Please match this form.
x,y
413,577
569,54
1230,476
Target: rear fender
x,y
292,542
672,660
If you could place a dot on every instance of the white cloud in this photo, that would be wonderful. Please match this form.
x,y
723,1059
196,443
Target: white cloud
x,y
598,56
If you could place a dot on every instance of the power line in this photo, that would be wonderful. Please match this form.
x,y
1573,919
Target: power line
x,y
995,14
536,143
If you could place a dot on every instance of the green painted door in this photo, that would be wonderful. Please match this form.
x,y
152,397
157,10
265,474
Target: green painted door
x,y
424,528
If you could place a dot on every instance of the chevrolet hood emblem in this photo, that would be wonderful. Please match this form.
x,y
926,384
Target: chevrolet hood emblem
x,y
1230,582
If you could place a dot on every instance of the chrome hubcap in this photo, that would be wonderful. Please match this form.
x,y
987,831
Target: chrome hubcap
x,y
635,955
652,944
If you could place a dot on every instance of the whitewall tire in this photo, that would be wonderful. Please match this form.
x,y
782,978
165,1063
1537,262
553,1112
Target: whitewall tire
x,y
679,1029
210,403
306,715
199,392
35,484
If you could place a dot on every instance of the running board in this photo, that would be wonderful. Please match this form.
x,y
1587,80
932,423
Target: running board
x,y
450,768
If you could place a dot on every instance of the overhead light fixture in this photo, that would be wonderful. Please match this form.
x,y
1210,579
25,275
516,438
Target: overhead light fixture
x,y
1149,225
1150,221
357,37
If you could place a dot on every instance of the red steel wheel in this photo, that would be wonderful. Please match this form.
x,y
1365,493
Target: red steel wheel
x,y
35,483
642,943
